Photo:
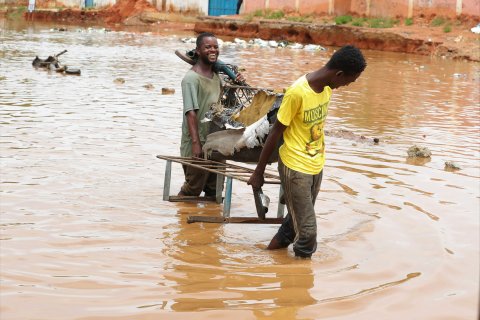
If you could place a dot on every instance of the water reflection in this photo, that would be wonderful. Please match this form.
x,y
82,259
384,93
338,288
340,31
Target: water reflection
x,y
207,276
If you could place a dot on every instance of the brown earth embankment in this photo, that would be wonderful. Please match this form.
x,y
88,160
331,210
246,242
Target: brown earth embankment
x,y
462,44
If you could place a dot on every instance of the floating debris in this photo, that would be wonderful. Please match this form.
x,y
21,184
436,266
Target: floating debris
x,y
314,47
148,86
239,41
451,165
476,29
273,44
168,91
52,64
119,81
419,152
295,46
257,42
188,40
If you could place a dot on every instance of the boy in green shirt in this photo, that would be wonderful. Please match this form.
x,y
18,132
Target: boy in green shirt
x,y
201,87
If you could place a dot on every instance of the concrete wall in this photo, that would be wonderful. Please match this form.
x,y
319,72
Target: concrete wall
x,y
68,3
373,8
200,6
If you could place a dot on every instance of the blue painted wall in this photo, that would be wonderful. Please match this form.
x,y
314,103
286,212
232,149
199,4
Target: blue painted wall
x,y
222,7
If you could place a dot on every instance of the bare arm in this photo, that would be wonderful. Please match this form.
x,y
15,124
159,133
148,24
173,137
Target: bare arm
x,y
193,130
256,179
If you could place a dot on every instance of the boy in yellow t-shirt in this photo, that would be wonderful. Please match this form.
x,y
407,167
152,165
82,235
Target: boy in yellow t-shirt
x,y
301,119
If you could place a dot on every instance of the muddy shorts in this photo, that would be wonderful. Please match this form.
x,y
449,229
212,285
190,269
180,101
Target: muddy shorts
x,y
300,225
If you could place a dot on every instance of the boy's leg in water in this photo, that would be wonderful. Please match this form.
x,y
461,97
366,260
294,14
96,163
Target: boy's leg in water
x,y
300,224
195,180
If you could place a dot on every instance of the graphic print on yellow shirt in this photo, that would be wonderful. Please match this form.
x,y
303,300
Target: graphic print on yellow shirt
x,y
315,145
304,111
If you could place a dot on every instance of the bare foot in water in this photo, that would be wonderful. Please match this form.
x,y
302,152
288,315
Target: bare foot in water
x,y
275,244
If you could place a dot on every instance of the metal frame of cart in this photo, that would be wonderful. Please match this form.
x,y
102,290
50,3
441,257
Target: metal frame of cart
x,y
228,172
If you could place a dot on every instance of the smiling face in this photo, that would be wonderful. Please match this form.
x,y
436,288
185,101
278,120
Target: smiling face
x,y
208,51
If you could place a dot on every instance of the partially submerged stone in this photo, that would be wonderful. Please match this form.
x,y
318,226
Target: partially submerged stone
x,y
148,86
168,91
452,165
419,152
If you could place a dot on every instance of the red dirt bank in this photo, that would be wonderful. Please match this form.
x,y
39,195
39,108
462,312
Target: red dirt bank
x,y
460,43
419,38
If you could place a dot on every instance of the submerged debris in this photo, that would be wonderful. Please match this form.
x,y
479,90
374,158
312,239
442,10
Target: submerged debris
x,y
148,86
419,152
52,64
263,44
350,135
452,165
168,91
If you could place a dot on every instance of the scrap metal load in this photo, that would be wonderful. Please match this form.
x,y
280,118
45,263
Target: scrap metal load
x,y
52,64
241,119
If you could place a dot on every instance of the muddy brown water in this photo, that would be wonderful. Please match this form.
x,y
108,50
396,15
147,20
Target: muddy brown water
x,y
85,233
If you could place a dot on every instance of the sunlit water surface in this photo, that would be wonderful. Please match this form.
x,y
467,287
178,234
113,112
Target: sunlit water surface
x,y
85,233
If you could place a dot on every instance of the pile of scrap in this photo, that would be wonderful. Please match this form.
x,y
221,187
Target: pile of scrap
x,y
244,118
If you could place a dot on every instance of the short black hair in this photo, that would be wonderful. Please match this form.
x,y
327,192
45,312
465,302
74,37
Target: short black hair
x,y
348,59
203,35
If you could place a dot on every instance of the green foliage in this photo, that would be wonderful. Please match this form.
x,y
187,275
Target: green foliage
x,y
258,13
408,21
16,12
447,28
381,22
307,18
437,21
343,19
248,17
278,14
358,22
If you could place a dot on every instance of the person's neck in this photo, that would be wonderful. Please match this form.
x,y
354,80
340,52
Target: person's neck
x,y
317,80
203,69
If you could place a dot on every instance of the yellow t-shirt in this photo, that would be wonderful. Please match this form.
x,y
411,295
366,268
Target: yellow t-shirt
x,y
304,111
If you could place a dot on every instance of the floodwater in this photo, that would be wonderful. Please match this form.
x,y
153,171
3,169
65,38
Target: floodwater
x,y
85,233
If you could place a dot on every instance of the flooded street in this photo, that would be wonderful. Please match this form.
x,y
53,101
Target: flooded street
x,y
85,234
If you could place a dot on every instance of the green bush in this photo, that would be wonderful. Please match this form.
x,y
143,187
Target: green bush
x,y
381,23
343,19
16,13
258,13
274,14
447,28
248,17
437,21
300,18
408,21
358,22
